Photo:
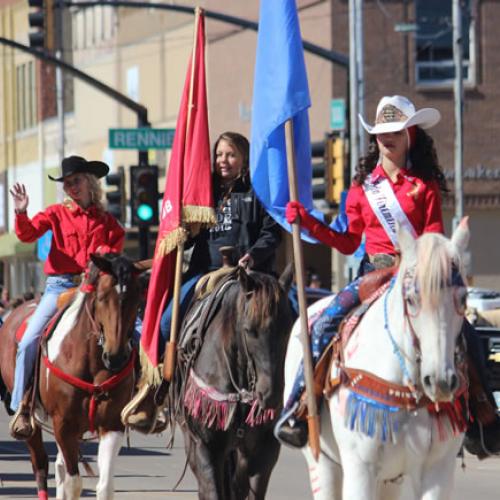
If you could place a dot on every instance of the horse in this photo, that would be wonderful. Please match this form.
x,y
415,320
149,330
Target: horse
x,y
228,383
394,422
85,374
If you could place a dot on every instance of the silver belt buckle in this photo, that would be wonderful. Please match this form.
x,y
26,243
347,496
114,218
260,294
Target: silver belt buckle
x,y
382,260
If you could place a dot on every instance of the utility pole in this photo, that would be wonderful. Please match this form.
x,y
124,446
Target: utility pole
x,y
359,48
356,100
459,99
59,39
353,89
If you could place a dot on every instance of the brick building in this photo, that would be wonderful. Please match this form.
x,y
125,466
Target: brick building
x,y
419,65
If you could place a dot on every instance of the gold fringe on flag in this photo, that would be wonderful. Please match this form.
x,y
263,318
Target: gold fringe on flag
x,y
152,374
191,214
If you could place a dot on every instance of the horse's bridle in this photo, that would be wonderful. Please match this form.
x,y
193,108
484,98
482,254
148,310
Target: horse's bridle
x,y
96,329
409,281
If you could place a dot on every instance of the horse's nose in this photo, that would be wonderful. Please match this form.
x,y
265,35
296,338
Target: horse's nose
x,y
115,362
441,388
269,398
453,382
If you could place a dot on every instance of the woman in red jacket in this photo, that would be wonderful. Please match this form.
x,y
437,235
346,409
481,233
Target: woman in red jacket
x,y
397,182
80,226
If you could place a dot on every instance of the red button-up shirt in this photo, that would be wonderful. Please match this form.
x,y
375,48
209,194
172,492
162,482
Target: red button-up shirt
x,y
420,200
76,233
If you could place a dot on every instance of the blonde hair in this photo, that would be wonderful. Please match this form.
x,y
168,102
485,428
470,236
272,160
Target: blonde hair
x,y
96,192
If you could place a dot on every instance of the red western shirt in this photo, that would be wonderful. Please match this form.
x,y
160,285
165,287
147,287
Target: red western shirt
x,y
420,201
76,233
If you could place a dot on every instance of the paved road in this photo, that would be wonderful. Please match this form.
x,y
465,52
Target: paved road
x,y
147,470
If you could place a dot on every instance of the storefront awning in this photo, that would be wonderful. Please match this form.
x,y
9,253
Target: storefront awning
x,y
10,246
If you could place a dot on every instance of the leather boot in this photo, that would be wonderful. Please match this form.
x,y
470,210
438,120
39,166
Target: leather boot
x,y
294,436
142,415
483,435
20,425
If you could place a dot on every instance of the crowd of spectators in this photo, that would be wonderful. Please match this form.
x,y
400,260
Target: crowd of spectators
x,y
8,304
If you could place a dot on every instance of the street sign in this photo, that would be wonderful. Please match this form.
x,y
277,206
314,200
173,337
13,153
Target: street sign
x,y
337,114
141,138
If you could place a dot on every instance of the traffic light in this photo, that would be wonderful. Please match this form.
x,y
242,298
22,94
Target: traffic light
x,y
42,18
335,171
318,173
116,198
144,195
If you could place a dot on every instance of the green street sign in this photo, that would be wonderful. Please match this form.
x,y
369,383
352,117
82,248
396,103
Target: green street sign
x,y
141,138
337,114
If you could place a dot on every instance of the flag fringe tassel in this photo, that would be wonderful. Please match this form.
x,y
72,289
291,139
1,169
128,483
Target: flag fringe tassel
x,y
194,213
191,214
149,373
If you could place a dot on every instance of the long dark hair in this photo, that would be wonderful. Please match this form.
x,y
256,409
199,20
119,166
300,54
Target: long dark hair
x,y
423,157
241,144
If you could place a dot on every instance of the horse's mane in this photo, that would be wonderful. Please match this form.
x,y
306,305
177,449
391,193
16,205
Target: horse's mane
x,y
436,257
260,303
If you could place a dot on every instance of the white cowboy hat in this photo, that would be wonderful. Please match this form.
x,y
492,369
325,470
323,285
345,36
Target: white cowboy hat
x,y
395,113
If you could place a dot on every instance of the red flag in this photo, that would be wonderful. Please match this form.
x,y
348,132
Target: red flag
x,y
187,198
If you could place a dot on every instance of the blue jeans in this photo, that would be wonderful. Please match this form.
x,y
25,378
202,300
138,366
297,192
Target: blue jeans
x,y
27,348
187,292
322,331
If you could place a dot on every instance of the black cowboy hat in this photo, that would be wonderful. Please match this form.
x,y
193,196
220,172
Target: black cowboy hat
x,y
78,165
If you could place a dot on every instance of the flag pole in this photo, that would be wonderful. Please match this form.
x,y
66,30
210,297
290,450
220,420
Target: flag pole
x,y
171,348
312,413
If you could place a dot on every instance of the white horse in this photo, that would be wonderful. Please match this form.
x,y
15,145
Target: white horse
x,y
372,448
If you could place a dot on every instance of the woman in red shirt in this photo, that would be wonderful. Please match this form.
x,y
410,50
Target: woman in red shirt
x,y
397,182
80,226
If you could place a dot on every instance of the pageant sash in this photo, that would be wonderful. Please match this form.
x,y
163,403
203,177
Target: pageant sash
x,y
386,207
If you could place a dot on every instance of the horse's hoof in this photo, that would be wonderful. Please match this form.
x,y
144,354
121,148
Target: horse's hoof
x,y
295,436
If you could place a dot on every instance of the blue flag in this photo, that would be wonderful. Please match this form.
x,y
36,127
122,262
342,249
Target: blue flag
x,y
280,93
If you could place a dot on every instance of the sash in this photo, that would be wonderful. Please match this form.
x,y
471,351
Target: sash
x,y
386,207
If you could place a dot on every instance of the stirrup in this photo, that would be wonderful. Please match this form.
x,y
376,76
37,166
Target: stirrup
x,y
292,436
26,430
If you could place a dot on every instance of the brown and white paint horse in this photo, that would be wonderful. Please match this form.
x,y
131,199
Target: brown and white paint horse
x,y
86,374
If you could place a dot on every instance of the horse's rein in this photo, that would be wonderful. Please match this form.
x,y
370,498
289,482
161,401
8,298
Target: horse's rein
x,y
96,329
246,394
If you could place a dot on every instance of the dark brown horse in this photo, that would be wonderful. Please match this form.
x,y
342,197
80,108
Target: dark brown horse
x,y
86,374
229,383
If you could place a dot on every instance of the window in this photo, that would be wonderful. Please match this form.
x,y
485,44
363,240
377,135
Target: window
x,y
26,96
434,43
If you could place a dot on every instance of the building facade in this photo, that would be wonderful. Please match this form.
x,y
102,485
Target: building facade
x,y
144,53
419,64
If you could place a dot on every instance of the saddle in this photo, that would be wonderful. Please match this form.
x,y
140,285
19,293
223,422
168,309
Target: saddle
x,y
370,288
207,283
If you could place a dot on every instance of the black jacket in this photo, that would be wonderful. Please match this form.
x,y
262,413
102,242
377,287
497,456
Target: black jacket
x,y
242,222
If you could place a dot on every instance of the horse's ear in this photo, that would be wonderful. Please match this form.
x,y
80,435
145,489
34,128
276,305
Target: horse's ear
x,y
102,263
407,244
461,235
246,281
286,277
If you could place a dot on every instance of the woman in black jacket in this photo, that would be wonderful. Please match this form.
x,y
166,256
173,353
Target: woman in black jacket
x,y
242,223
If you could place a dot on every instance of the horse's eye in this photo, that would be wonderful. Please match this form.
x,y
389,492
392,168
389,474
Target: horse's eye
x,y
413,301
251,332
